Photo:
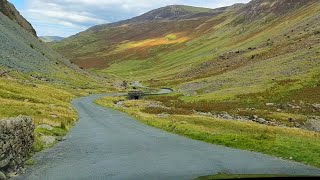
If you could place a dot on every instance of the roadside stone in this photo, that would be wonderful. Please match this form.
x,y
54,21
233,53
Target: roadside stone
x,y
119,104
45,126
48,139
2,176
61,138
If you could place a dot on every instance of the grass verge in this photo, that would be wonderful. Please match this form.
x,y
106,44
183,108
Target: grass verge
x,y
287,143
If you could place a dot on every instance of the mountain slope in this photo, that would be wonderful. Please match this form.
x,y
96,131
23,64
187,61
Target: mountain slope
x,y
21,52
243,57
38,82
10,11
51,38
103,44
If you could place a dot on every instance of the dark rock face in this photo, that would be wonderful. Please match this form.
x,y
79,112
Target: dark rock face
x,y
16,140
10,11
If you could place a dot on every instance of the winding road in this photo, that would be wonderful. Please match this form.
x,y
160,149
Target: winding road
x,y
107,144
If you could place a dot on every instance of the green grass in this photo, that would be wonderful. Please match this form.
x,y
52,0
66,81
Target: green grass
x,y
287,143
46,103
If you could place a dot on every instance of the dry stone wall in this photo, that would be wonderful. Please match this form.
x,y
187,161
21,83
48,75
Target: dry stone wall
x,y
16,140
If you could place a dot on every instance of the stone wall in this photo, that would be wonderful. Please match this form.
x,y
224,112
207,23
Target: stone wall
x,y
16,140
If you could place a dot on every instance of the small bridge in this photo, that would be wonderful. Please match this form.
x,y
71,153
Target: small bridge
x,y
137,94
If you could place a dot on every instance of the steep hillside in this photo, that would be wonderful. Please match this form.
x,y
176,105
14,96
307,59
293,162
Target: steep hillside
x,y
51,38
36,81
10,11
242,57
24,53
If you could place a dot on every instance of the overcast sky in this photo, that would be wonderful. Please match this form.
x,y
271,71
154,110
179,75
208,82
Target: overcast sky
x,y
68,17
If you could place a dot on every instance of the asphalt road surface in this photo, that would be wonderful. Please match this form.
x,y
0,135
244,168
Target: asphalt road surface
x,y
107,144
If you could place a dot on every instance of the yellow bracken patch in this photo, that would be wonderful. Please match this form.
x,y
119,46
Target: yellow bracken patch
x,y
154,42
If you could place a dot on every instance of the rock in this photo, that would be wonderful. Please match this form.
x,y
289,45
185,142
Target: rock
x,y
255,117
54,116
45,126
312,125
163,115
279,110
2,176
269,104
261,121
226,116
316,106
119,104
48,139
11,12
61,138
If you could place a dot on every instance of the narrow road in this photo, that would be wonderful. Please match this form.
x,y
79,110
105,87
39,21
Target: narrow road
x,y
107,144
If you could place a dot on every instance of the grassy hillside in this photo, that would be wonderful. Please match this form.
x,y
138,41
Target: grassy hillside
x,y
260,52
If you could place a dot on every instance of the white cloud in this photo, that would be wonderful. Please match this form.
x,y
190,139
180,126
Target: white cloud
x,y
67,17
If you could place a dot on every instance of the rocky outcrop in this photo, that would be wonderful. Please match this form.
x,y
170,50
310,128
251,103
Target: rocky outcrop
x,y
16,140
10,11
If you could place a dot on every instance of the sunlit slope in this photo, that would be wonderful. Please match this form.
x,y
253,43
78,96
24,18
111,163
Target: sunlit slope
x,y
138,38
238,50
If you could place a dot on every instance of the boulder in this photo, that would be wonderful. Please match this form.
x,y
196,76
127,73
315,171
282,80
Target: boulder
x,y
316,106
48,139
312,125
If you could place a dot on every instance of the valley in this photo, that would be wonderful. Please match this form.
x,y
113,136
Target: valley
x,y
243,78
